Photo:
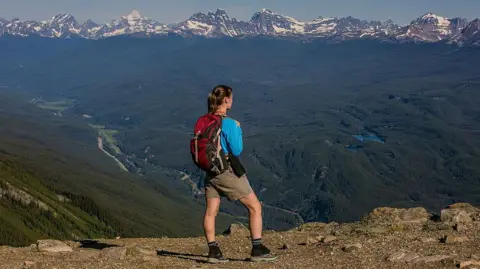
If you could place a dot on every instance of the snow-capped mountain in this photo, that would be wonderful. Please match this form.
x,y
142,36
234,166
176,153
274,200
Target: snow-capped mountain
x,y
469,35
61,26
216,24
428,28
433,28
267,22
132,23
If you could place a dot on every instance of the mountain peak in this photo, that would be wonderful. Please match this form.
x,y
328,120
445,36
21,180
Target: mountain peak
x,y
63,18
433,19
90,24
134,15
221,12
429,15
267,11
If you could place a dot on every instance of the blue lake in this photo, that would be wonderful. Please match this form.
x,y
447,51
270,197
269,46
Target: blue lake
x,y
371,137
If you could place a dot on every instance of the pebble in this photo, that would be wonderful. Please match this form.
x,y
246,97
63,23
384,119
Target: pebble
x,y
455,239
313,239
28,264
402,257
329,238
352,247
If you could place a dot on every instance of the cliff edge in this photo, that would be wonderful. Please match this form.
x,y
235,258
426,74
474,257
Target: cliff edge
x,y
385,238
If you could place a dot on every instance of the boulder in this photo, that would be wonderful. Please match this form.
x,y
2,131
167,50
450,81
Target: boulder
x,y
460,227
460,213
144,251
53,246
237,229
450,239
114,253
352,247
312,239
388,216
329,239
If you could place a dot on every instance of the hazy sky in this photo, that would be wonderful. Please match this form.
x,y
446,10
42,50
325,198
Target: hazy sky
x,y
167,11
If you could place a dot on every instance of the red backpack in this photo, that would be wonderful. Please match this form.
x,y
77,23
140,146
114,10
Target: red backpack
x,y
207,153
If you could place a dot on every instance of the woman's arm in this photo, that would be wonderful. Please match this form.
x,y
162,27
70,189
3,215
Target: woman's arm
x,y
233,134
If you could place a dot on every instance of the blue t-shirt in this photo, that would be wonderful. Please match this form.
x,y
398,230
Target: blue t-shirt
x,y
231,137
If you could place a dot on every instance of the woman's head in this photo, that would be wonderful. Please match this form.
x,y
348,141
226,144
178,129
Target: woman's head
x,y
220,99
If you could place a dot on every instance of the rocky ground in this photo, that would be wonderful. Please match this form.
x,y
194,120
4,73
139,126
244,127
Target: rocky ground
x,y
386,238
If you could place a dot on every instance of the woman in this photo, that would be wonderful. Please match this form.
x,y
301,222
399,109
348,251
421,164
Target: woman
x,y
230,185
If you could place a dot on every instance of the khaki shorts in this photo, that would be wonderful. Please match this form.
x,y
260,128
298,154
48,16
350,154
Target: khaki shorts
x,y
227,185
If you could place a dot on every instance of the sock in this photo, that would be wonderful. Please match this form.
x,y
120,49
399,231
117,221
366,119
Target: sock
x,y
256,242
212,244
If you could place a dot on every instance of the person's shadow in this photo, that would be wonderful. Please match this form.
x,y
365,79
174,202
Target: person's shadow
x,y
94,244
191,257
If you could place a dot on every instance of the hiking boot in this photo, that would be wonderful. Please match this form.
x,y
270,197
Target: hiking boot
x,y
215,255
261,253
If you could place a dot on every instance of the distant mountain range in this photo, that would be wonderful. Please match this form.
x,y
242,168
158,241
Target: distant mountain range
x,y
427,28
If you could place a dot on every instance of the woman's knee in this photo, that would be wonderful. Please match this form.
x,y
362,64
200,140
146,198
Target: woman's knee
x,y
254,206
212,207
257,208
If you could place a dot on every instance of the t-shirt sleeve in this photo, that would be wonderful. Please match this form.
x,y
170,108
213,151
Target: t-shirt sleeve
x,y
233,135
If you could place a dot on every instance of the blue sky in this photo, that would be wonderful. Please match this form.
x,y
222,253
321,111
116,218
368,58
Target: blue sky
x,y
167,11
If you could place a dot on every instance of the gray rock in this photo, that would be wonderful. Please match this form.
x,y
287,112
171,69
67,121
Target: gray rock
x,y
329,238
312,239
450,239
237,229
402,257
352,247
145,252
455,216
28,264
460,213
53,246
397,216
114,253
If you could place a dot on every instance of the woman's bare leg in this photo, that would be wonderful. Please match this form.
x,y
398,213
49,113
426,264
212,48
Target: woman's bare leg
x,y
255,213
211,211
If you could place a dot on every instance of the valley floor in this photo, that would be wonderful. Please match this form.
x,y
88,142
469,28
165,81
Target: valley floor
x,y
425,244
